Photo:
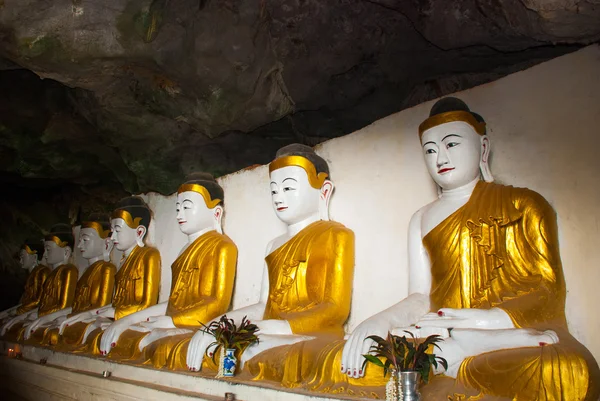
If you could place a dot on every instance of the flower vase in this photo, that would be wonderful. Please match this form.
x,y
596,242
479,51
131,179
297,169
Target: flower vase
x,y
229,362
403,386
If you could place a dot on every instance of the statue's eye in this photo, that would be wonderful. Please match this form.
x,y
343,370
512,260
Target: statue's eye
x,y
429,151
273,192
452,144
285,189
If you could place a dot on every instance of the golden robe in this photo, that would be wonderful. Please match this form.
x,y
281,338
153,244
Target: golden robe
x,y
499,250
136,287
310,286
94,290
58,292
33,289
201,289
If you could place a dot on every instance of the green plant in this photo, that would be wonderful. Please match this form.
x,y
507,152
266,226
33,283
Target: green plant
x,y
402,354
228,335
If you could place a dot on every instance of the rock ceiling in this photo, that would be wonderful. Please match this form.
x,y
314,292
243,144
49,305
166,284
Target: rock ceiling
x,y
135,94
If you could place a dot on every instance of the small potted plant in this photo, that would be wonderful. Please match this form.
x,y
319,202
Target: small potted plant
x,y
408,362
230,341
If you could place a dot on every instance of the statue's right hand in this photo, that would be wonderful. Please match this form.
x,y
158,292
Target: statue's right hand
x,y
197,349
12,322
358,344
72,320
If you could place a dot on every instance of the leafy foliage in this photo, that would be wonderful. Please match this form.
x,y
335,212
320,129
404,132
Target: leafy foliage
x,y
402,354
228,335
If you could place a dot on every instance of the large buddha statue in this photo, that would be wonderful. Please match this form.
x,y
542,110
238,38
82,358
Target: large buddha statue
x,y
58,289
201,287
484,262
29,258
307,280
136,282
94,288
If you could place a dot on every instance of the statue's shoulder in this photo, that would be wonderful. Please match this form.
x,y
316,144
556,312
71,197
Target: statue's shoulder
x,y
149,252
525,199
224,242
337,229
109,267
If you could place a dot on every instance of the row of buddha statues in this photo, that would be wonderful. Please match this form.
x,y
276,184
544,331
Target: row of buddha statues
x,y
484,273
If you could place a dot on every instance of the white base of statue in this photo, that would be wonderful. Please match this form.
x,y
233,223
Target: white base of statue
x,y
43,374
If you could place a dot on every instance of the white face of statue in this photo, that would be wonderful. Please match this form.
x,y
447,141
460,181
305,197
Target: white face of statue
x,y
294,200
90,244
26,260
55,254
192,213
123,236
453,152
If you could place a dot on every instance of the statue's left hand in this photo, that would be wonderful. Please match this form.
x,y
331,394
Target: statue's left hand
x,y
111,335
158,322
33,326
470,318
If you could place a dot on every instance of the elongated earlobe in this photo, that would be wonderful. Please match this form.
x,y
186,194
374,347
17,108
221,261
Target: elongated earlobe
x,y
140,233
325,196
484,166
218,217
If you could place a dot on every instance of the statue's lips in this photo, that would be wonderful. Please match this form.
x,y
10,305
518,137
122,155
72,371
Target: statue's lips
x,y
445,170
182,222
279,209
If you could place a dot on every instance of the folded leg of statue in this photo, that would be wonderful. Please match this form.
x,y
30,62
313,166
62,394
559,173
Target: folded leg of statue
x,y
127,347
178,356
41,336
15,333
158,352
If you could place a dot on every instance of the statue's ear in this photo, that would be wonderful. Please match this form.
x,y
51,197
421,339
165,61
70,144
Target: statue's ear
x,y
140,233
484,166
68,252
218,218
325,196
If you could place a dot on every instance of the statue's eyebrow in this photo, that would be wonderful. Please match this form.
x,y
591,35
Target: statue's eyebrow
x,y
290,178
431,142
449,135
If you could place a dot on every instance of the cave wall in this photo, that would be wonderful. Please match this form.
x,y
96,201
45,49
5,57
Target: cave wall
x,y
543,128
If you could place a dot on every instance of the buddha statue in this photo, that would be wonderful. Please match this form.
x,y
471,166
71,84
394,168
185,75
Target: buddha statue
x,y
485,273
94,288
58,289
136,282
29,259
202,283
307,279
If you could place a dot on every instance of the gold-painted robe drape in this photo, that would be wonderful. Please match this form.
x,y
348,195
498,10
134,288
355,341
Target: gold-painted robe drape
x,y
33,289
498,250
310,286
136,287
94,290
58,293
201,289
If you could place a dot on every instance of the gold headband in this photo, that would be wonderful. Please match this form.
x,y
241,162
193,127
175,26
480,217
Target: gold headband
x,y
316,180
29,250
199,189
449,117
126,216
98,227
57,240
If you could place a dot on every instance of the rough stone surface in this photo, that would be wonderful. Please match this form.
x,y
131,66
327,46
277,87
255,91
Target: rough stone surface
x,y
135,94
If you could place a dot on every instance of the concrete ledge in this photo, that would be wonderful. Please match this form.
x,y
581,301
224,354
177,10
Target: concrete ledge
x,y
66,376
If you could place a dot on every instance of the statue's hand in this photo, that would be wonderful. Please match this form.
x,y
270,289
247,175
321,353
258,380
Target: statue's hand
x,y
486,319
158,322
274,326
358,344
33,326
421,332
106,311
197,348
13,321
157,334
111,335
74,319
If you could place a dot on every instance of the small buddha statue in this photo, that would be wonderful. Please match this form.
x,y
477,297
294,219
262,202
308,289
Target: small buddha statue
x,y
136,282
29,259
94,288
485,273
202,283
58,289
307,279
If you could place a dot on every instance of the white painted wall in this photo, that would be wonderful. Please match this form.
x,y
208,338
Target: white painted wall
x,y
543,126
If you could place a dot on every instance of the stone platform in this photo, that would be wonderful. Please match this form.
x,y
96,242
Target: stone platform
x,y
43,374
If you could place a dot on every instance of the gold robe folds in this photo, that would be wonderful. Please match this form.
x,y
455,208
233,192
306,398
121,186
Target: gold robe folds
x,y
201,289
58,292
136,287
310,286
94,290
33,289
498,250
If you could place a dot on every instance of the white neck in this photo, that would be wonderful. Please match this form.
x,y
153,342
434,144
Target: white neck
x,y
193,237
461,192
33,265
54,266
93,260
295,228
127,252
